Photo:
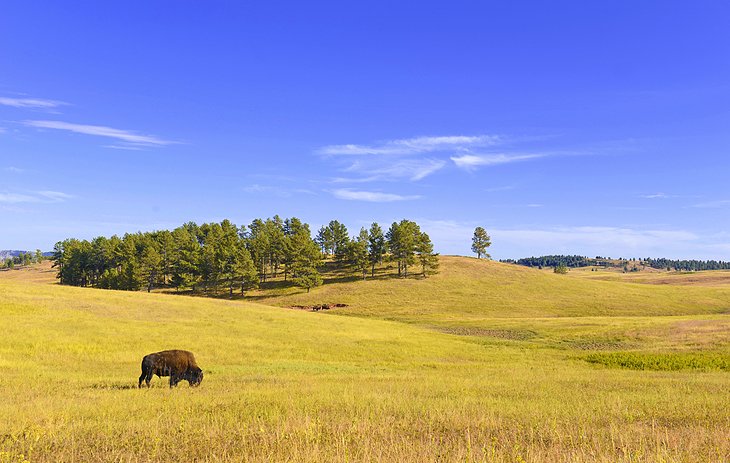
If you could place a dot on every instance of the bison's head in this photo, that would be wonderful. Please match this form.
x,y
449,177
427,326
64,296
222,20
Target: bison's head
x,y
195,376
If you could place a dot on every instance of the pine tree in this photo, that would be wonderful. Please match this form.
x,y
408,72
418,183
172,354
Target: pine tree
x,y
358,253
376,246
307,277
480,242
425,255
401,239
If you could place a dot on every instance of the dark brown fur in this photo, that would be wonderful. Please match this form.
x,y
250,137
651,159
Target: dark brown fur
x,y
177,364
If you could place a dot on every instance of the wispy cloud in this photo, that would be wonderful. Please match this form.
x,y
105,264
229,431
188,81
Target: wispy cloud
x,y
126,136
34,197
713,204
416,158
401,159
412,145
15,198
13,169
455,237
411,169
124,147
472,161
54,196
370,196
277,191
31,103
608,241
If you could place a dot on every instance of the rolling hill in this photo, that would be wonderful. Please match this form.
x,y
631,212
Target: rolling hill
x,y
483,362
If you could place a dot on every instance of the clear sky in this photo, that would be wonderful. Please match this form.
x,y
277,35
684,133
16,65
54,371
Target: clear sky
x,y
596,128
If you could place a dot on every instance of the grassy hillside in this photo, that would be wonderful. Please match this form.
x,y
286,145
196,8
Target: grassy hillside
x,y
469,289
471,382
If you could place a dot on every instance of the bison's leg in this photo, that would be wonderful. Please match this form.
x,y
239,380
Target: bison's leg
x,y
141,377
148,378
173,380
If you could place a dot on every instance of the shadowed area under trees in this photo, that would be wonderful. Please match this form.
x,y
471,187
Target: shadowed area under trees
x,y
222,258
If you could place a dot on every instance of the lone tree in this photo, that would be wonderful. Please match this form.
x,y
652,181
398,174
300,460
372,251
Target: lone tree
x,y
480,242
561,269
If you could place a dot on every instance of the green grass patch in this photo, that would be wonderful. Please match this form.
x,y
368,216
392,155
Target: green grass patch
x,y
511,334
670,361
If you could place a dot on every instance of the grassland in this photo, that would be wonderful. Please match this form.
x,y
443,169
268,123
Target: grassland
x,y
483,362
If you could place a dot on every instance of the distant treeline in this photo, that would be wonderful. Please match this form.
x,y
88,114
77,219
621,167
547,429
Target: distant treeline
x,y
215,255
22,258
583,261
553,261
688,265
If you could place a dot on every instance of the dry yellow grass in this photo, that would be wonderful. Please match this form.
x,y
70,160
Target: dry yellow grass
x,y
287,385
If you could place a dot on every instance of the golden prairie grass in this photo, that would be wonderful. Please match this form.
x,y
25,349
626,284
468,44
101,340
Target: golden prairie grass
x,y
286,385
472,289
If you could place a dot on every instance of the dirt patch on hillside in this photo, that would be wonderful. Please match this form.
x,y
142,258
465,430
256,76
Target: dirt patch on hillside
x,y
511,334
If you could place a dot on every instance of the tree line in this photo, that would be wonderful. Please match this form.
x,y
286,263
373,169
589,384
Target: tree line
x,y
212,256
583,261
688,265
23,259
553,261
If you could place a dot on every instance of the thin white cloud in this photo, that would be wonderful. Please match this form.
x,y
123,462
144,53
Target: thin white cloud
x,y
610,241
713,204
15,198
54,196
414,145
277,191
412,169
102,131
455,237
34,197
655,196
31,103
15,170
472,161
256,188
124,147
370,196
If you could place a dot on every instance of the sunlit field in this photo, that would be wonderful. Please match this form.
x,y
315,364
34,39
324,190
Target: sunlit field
x,y
482,362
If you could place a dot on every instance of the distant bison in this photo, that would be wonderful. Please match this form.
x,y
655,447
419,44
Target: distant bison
x,y
177,364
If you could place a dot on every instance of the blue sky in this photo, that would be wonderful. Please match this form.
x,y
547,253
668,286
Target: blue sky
x,y
597,128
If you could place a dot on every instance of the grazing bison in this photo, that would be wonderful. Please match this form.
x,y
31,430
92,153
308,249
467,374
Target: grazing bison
x,y
177,364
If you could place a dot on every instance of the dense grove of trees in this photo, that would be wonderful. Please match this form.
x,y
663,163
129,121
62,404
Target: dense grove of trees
x,y
583,261
554,261
22,259
212,256
688,265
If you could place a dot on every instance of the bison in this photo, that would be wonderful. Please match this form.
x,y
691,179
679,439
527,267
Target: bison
x,y
177,364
